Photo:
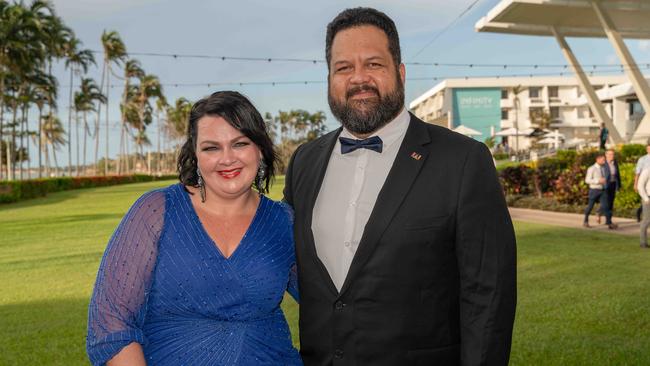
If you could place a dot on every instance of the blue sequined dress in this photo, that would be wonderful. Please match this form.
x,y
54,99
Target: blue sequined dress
x,y
164,284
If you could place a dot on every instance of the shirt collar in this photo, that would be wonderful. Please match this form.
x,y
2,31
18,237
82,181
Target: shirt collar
x,y
390,133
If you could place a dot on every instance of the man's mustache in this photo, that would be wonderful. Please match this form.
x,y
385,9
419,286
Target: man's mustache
x,y
359,89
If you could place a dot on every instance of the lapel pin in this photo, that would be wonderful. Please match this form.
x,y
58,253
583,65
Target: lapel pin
x,y
416,156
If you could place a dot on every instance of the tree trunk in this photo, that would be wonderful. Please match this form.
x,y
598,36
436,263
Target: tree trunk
x,y
108,88
97,121
70,126
21,157
84,146
76,120
40,142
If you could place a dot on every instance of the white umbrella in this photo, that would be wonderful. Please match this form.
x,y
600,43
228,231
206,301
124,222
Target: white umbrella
x,y
554,134
547,140
575,141
514,132
464,130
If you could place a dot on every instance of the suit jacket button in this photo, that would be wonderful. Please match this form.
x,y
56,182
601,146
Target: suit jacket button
x,y
338,353
339,305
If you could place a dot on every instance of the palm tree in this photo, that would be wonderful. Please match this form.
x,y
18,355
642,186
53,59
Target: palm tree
x,y
161,106
22,30
53,137
85,100
132,69
76,60
43,91
138,110
114,52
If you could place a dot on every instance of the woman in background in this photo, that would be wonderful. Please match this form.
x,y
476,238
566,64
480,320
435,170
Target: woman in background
x,y
195,272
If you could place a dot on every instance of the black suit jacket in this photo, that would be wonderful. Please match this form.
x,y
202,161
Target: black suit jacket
x,y
608,175
433,279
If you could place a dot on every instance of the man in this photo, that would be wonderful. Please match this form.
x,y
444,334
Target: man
x,y
644,191
405,248
595,178
612,185
603,133
642,163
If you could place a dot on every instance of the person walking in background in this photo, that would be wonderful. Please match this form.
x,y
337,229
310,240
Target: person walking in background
x,y
595,178
642,163
644,189
612,185
602,135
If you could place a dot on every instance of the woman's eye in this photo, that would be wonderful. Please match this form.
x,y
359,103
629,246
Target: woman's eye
x,y
241,144
209,148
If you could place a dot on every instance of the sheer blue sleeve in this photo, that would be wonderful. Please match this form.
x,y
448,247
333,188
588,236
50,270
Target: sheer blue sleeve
x,y
292,286
118,304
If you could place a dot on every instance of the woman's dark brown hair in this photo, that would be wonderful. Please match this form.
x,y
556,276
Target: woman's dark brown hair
x,y
240,113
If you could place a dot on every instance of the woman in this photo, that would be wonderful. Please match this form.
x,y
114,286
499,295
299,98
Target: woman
x,y
195,272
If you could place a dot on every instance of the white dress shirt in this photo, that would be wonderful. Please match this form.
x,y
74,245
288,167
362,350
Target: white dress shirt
x,y
347,196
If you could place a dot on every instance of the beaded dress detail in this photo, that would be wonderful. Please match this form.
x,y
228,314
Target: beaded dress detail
x,y
164,284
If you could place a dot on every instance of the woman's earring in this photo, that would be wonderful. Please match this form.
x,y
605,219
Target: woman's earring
x,y
201,185
259,180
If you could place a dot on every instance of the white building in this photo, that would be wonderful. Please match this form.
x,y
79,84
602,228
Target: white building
x,y
492,104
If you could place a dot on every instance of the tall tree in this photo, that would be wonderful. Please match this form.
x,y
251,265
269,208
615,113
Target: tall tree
x,y
77,60
132,69
114,53
85,101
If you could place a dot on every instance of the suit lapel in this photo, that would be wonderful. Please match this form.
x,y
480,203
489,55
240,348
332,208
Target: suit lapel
x,y
408,162
319,167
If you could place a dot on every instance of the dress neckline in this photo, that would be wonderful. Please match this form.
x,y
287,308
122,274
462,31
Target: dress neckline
x,y
195,216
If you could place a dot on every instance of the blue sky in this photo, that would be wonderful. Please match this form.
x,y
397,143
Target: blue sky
x,y
296,29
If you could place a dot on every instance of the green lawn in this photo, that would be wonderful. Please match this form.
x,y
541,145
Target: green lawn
x,y
584,297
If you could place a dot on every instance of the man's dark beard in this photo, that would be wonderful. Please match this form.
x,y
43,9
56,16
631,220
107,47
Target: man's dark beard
x,y
378,112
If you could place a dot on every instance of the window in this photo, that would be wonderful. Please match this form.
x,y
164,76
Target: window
x,y
636,109
504,93
555,113
553,92
533,92
504,115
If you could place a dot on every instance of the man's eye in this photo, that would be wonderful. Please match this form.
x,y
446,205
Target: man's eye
x,y
343,68
374,65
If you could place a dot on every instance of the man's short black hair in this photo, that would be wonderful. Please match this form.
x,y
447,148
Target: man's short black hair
x,y
357,17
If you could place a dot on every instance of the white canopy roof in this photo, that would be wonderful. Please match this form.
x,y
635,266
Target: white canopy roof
x,y
464,130
575,18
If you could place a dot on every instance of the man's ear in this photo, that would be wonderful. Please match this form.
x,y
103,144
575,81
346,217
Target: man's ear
x,y
402,73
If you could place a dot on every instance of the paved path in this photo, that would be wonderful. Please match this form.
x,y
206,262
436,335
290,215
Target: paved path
x,y
625,226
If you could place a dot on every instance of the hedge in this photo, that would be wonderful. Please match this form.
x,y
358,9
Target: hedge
x,y
561,177
14,191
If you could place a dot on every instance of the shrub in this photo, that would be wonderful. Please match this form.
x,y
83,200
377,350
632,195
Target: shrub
x,y
630,153
570,186
626,197
13,191
587,158
501,156
516,179
566,158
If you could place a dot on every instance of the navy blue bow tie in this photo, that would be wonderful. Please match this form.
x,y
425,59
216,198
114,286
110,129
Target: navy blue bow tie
x,y
372,143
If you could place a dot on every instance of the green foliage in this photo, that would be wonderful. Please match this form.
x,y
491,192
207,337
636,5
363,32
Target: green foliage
x,y
626,197
13,191
630,153
500,156
516,179
570,186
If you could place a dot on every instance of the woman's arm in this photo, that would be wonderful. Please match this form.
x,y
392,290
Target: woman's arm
x,y
118,305
130,355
